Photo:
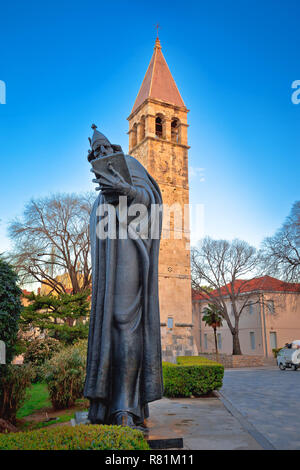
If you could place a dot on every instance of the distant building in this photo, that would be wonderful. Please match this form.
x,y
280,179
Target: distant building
x,y
64,280
272,320
24,300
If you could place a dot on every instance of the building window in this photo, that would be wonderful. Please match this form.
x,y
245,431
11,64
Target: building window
x,y
219,339
271,307
170,323
159,126
251,309
273,340
175,130
252,340
205,340
134,136
142,128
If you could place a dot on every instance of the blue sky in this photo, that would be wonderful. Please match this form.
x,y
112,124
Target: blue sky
x,y
67,64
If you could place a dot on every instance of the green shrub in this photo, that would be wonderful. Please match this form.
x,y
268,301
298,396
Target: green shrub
x,y
193,375
14,380
275,351
64,374
83,437
39,350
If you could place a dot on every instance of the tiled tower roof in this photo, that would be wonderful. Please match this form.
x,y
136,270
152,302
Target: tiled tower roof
x,y
158,82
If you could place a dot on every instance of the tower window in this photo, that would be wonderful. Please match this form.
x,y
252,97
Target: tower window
x,y
142,128
134,136
175,130
159,127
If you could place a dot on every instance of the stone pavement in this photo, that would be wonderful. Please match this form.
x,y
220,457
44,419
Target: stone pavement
x,y
268,401
203,423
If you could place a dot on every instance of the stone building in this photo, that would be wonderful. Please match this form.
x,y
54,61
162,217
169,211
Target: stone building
x,y
271,319
158,139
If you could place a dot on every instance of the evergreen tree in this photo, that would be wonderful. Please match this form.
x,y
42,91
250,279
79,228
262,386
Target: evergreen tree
x,y
62,317
10,308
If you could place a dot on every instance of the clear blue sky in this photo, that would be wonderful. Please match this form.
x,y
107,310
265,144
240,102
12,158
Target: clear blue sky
x,y
67,64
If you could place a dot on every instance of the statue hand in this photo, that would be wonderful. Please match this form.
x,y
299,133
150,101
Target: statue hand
x,y
113,183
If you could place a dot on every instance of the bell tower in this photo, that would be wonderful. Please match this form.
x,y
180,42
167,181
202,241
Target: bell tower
x,y
158,139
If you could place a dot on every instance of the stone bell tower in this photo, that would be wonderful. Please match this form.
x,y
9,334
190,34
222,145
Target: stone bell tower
x,y
158,139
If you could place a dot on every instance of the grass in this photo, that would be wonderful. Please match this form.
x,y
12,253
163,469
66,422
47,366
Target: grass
x,y
36,399
32,425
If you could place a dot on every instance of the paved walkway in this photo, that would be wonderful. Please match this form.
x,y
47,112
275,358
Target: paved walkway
x,y
268,400
203,423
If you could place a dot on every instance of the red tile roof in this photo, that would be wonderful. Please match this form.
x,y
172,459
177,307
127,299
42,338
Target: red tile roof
x,y
158,82
264,283
26,292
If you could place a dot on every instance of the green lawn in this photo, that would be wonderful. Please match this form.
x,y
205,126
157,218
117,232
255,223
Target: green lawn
x,y
37,398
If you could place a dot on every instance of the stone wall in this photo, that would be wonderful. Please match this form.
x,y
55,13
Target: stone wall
x,y
237,361
178,341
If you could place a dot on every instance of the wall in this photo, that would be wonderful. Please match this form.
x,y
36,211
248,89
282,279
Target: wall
x,y
230,361
285,321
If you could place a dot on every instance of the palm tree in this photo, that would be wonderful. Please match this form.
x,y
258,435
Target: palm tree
x,y
213,318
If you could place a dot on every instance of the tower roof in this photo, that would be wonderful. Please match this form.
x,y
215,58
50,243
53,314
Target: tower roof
x,y
158,82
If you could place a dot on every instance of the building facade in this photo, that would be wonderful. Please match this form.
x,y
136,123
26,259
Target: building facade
x,y
270,321
158,139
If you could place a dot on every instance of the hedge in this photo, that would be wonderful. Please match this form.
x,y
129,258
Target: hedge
x,y
192,375
195,360
82,437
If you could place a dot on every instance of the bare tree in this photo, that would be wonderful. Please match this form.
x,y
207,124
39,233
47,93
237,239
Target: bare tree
x,y
51,240
281,253
226,268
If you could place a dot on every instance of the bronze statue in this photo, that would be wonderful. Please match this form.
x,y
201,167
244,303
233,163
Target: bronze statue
x,y
124,369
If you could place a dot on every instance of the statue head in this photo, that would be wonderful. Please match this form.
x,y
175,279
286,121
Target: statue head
x,y
101,146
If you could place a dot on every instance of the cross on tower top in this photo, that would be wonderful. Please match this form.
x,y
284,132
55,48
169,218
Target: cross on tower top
x,y
157,26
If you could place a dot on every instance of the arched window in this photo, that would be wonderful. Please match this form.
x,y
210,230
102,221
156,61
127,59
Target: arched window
x,y
175,130
142,128
134,136
159,126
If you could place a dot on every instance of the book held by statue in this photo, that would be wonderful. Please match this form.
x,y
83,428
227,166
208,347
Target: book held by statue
x,y
118,162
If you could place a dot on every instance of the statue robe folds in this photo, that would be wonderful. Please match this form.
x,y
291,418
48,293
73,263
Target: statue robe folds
x,y
124,368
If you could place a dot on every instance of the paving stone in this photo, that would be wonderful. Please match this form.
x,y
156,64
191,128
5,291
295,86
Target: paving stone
x,y
203,423
269,399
